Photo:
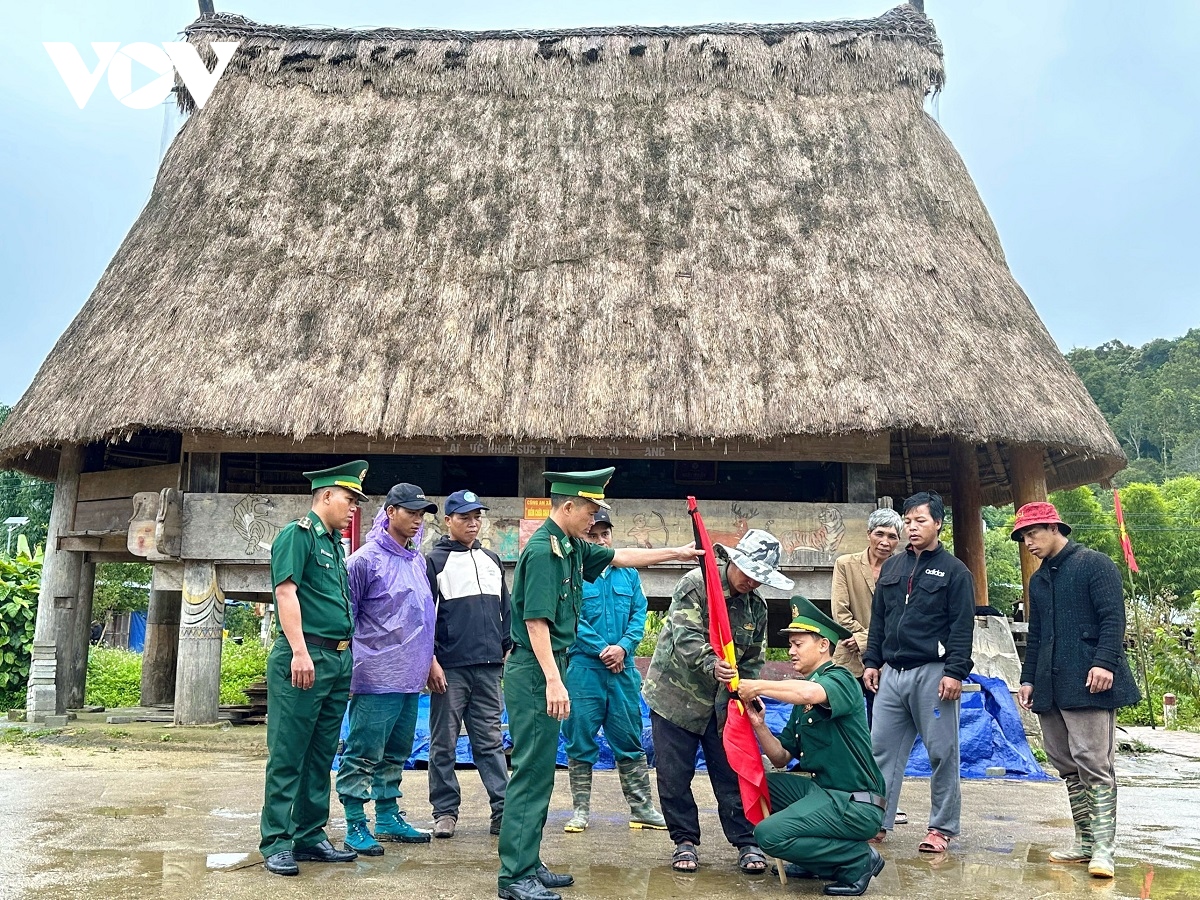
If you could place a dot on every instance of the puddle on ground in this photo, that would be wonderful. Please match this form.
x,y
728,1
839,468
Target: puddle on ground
x,y
1019,871
223,813
125,812
228,860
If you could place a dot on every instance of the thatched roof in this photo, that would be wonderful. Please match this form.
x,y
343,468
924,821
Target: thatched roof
x,y
757,229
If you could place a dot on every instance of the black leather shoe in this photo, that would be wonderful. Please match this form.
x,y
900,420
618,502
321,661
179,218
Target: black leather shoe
x,y
528,889
282,863
553,879
323,852
858,888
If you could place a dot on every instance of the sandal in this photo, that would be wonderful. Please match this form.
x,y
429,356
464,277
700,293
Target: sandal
x,y
901,818
935,842
685,858
751,860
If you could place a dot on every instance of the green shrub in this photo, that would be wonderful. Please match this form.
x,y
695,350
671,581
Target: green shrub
x,y
241,666
241,621
654,624
20,578
114,677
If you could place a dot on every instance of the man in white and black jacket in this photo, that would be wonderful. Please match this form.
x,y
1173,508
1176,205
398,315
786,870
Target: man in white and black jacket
x,y
918,653
471,642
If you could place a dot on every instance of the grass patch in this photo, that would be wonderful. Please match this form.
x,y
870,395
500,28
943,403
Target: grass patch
x,y
114,677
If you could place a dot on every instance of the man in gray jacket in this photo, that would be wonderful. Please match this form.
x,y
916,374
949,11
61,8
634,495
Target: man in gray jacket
x,y
1076,675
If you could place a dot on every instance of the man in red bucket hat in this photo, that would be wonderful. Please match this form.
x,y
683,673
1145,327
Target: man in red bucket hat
x,y
1076,675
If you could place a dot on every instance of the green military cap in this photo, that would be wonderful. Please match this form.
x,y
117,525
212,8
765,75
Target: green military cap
x,y
589,485
807,618
348,475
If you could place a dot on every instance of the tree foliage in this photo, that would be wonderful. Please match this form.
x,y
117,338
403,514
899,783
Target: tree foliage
x,y
1150,396
21,495
20,577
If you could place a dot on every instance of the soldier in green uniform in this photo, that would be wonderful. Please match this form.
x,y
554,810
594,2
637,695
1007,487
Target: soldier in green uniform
x,y
546,596
308,672
827,810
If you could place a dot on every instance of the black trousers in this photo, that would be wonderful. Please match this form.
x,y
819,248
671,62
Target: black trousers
x,y
870,697
675,766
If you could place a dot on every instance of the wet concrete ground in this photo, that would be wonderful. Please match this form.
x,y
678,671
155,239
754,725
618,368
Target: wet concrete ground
x,y
140,821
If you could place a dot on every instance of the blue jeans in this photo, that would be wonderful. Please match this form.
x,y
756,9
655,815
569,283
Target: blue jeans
x,y
382,727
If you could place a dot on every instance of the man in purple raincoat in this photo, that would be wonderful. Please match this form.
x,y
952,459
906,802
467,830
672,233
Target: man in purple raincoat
x,y
394,618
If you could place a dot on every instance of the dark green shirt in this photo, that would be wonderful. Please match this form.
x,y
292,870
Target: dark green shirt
x,y
832,741
548,583
313,556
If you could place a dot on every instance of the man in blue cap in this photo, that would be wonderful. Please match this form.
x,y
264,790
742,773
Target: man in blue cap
x,y
472,640
546,596
822,820
308,672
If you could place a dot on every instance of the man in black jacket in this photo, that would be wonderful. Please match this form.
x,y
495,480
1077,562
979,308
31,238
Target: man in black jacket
x,y
1076,675
472,639
922,621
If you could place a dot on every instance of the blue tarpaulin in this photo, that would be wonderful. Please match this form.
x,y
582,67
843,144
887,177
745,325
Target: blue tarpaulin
x,y
137,631
991,734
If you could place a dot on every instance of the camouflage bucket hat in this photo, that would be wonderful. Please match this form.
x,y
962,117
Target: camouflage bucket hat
x,y
757,554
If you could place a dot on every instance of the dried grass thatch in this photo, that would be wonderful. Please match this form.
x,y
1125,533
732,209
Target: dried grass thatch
x,y
757,230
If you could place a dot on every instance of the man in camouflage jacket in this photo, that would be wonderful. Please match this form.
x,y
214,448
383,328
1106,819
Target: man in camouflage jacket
x,y
686,691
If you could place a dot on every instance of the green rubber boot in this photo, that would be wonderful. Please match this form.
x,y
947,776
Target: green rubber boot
x,y
1081,812
580,775
1104,831
635,784
390,825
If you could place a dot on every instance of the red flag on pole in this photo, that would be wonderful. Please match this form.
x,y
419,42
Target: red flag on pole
x,y
741,746
1125,545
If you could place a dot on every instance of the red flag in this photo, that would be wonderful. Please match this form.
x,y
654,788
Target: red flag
x,y
741,746
1125,545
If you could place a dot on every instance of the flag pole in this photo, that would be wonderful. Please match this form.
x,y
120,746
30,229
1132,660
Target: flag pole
x,y
1141,645
1131,566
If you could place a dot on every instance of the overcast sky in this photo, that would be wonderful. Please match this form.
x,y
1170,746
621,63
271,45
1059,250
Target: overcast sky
x,y
1077,120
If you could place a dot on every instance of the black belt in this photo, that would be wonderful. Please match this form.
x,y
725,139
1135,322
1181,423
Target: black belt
x,y
868,797
326,643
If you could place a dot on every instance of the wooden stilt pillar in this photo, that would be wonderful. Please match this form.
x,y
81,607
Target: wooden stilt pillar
x,y
1027,476
201,619
162,648
74,638
530,482
59,588
860,482
201,622
968,514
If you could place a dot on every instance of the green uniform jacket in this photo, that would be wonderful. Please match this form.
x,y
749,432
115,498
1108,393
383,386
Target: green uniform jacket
x,y
315,559
832,741
680,684
548,583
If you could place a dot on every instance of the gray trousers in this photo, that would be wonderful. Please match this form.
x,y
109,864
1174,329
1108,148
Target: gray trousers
x,y
907,705
1080,744
472,693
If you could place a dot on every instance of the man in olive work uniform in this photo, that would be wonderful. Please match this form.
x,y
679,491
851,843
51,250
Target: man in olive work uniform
x,y
824,817
546,596
308,672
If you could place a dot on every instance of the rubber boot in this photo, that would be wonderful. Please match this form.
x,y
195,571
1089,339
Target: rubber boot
x,y
1104,831
390,825
358,833
580,775
1081,812
635,784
